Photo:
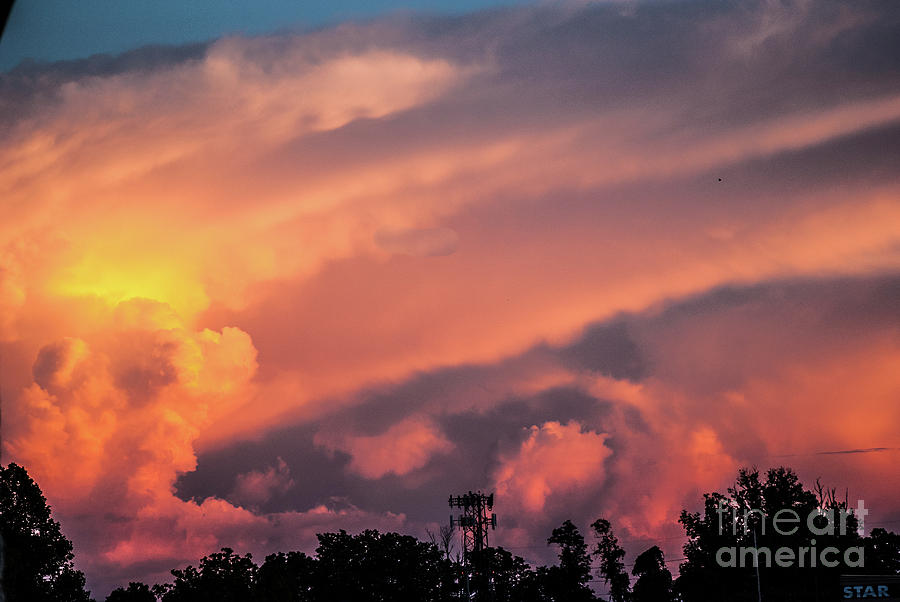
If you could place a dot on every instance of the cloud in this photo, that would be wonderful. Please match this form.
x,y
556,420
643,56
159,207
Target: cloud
x,y
108,424
404,447
570,445
869,450
418,242
256,487
203,528
57,362
555,458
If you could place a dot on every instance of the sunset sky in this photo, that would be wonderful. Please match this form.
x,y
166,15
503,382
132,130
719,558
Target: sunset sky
x,y
290,270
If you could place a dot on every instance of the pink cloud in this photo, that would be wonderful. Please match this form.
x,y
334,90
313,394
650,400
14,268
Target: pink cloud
x,y
404,447
256,487
554,459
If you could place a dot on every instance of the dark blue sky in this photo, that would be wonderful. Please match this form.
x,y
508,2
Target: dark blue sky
x,y
50,30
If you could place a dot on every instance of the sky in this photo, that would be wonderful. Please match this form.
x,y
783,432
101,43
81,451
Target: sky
x,y
591,257
54,30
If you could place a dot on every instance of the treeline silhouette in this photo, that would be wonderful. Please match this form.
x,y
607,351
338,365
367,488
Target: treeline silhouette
x,y
373,566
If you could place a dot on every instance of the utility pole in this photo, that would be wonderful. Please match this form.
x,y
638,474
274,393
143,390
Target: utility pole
x,y
758,588
474,523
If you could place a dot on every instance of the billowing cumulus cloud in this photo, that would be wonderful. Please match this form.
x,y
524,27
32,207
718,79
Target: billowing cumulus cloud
x,y
555,458
110,421
261,287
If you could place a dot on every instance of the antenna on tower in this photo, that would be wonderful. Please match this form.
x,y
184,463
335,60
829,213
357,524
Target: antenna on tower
x,y
475,522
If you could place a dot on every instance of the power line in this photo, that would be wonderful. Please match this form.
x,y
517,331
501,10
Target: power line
x,y
640,540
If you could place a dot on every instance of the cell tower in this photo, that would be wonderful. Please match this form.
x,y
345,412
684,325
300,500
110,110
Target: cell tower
x,y
474,521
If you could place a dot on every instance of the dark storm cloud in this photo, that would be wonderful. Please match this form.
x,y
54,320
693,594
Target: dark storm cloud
x,y
320,476
832,305
323,478
607,349
480,434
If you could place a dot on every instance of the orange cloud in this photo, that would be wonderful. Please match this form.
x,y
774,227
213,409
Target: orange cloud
x,y
109,423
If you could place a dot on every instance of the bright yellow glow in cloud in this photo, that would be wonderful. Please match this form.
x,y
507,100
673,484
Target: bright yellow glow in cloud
x,y
113,278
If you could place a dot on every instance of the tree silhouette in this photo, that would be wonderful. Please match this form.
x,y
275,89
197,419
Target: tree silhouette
x,y
744,520
444,540
568,581
376,567
290,577
654,581
221,577
38,558
136,592
511,578
882,552
612,568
